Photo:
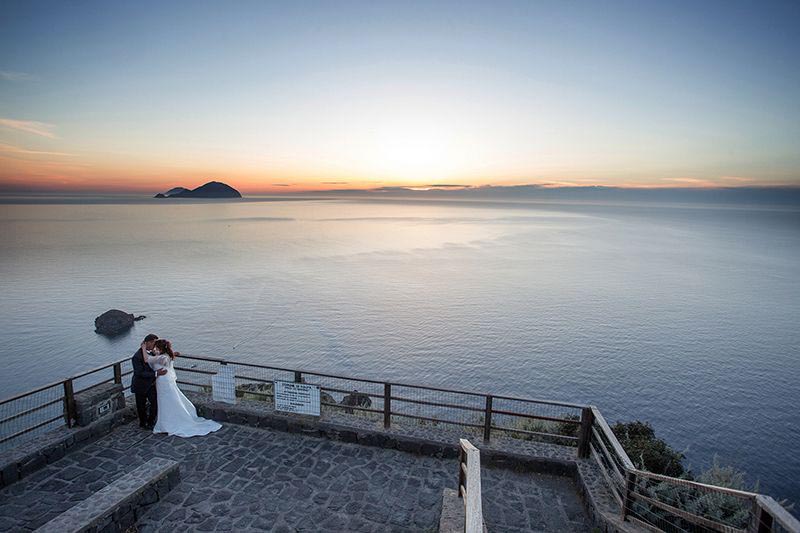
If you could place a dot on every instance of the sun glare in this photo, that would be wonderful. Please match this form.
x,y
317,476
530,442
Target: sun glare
x,y
413,149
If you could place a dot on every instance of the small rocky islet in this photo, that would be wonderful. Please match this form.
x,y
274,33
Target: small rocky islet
x,y
212,189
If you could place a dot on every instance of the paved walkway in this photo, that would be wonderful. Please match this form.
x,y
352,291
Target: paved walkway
x,y
247,479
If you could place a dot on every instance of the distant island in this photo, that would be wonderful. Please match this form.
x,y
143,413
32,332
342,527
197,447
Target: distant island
x,y
212,189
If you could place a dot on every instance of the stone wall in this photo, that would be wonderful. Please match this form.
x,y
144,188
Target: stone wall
x,y
97,402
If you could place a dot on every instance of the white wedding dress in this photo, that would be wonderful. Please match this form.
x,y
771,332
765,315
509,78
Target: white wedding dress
x,y
176,414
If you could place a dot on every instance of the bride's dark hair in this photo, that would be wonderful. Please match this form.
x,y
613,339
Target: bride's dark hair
x,y
164,346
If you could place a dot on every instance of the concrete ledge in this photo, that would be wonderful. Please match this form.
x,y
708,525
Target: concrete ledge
x,y
25,459
452,518
115,507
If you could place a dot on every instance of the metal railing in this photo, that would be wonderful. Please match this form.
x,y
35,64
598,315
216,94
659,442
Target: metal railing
x,y
484,415
469,486
51,406
656,502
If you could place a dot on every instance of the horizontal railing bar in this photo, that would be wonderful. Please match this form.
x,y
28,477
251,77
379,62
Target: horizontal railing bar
x,y
259,393
778,512
608,455
345,391
280,369
626,461
537,417
642,523
34,391
28,430
417,417
196,370
536,400
438,404
526,432
204,358
439,389
251,378
686,483
192,383
98,369
340,406
90,387
686,515
32,410
58,383
607,477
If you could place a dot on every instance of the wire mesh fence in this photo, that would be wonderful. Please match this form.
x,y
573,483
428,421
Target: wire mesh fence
x,y
26,416
557,423
682,505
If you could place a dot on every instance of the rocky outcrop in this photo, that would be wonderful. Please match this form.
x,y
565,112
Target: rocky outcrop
x,y
356,399
113,322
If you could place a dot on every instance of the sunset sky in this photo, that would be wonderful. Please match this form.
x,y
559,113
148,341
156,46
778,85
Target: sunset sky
x,y
139,96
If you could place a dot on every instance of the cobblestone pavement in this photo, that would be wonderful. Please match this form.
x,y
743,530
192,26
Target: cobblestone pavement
x,y
247,479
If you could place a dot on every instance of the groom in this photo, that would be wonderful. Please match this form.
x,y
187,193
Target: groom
x,y
143,385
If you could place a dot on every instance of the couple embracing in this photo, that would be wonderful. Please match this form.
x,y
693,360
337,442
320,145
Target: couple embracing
x,y
160,404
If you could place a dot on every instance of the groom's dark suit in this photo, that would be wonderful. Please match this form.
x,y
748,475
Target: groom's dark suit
x,y
143,385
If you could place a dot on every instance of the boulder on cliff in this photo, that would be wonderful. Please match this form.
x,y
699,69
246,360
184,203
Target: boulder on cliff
x,y
113,322
356,399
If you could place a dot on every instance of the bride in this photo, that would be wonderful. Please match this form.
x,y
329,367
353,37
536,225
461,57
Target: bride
x,y
176,414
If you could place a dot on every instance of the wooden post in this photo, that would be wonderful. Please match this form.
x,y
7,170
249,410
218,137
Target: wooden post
x,y
630,487
117,372
487,420
585,435
387,405
298,377
69,403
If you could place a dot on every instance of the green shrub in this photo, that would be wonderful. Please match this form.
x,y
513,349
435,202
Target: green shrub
x,y
647,451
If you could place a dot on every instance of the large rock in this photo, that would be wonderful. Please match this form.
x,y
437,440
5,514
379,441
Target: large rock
x,y
113,322
356,399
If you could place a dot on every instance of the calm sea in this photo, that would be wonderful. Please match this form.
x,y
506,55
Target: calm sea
x,y
686,317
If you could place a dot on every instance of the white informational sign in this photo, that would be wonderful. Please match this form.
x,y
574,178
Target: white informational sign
x,y
223,385
103,408
297,398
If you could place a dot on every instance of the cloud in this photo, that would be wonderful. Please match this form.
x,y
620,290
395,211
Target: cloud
x,y
29,126
447,186
10,75
281,185
10,149
334,183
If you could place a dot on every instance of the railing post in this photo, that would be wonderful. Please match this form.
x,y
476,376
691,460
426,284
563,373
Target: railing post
x,y
298,377
763,520
117,372
387,405
585,436
69,403
462,456
630,486
487,420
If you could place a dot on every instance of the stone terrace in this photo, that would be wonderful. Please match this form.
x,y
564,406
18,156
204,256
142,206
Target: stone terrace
x,y
247,479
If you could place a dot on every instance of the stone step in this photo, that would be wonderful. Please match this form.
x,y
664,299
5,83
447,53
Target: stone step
x,y
116,506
